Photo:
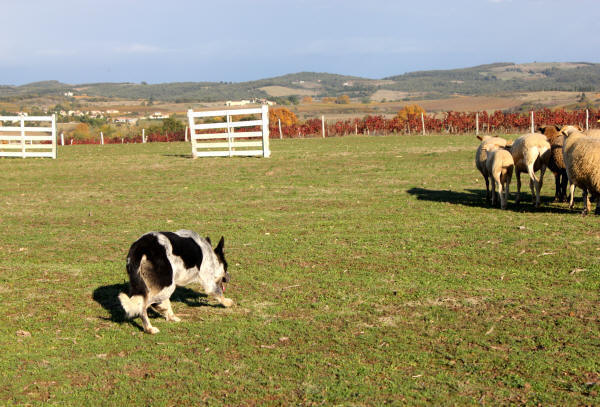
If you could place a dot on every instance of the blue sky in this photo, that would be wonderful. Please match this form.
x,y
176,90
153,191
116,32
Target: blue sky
x,y
81,41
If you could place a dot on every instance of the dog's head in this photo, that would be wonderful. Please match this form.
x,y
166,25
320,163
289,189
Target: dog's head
x,y
223,275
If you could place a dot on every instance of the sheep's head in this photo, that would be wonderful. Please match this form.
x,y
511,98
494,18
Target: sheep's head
x,y
570,129
550,130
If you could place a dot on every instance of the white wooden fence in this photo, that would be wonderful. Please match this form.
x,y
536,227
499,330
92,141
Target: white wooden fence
x,y
229,144
27,141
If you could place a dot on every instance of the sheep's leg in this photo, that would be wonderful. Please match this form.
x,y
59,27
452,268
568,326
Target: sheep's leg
x,y
518,176
563,186
557,188
487,189
571,195
507,178
502,197
494,189
586,202
535,182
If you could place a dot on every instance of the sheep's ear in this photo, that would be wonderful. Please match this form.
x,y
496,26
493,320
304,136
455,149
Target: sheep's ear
x,y
557,127
541,129
479,137
579,127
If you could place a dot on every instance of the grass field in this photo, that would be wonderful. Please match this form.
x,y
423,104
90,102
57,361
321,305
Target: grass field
x,y
365,270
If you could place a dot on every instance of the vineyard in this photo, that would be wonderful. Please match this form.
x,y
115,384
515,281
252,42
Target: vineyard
x,y
441,123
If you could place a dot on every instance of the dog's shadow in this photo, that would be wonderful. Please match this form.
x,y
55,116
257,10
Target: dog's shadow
x,y
108,297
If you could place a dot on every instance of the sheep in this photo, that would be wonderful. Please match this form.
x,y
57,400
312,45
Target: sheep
x,y
500,165
556,163
582,160
488,143
531,153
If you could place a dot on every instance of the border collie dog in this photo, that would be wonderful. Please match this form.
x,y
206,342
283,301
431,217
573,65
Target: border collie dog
x,y
159,261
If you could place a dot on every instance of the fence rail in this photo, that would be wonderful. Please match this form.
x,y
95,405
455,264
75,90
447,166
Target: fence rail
x,y
203,137
30,141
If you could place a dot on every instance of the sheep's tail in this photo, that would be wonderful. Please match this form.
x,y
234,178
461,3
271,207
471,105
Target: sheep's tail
x,y
131,305
534,154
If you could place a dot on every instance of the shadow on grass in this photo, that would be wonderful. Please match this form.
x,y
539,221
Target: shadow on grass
x,y
107,297
476,198
188,156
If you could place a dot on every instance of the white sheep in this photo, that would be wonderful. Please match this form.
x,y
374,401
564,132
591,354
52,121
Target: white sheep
x,y
500,165
531,153
582,159
488,143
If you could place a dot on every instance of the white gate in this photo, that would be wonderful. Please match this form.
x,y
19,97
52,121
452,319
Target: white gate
x,y
204,145
28,141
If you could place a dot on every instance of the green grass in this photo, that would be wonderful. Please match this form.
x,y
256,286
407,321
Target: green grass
x,y
365,270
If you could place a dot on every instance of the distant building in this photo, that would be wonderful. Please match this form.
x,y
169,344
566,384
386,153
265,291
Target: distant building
x,y
237,103
69,94
158,116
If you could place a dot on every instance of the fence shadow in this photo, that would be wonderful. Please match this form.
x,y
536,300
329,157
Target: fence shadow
x,y
107,297
476,198
187,156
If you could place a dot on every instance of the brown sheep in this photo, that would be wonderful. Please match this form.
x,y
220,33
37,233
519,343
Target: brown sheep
x,y
556,163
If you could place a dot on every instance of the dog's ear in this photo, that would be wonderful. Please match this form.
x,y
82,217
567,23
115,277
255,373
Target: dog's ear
x,y
479,137
557,127
541,129
208,239
220,246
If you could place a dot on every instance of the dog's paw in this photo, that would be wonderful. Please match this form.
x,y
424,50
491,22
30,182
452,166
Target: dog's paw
x,y
227,302
152,330
174,318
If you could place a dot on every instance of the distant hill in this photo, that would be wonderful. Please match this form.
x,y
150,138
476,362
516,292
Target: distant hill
x,y
492,79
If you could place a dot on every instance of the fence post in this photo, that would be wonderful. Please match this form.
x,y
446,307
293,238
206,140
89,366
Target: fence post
x,y
477,123
62,138
323,126
265,131
54,136
101,138
280,133
356,129
186,131
143,135
587,119
191,122
229,133
532,124
23,136
423,122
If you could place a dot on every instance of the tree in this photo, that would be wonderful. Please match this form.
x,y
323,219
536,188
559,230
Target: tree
x,y
410,112
81,132
343,100
172,125
286,116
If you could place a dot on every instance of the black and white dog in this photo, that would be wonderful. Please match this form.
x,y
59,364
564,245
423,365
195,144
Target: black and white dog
x,y
159,261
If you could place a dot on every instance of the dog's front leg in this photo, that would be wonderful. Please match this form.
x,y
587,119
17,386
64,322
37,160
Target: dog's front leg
x,y
226,302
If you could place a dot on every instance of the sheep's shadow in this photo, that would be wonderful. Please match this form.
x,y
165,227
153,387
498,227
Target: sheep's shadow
x,y
186,156
107,297
476,198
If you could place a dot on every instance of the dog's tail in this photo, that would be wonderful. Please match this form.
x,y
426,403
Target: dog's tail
x,y
131,305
